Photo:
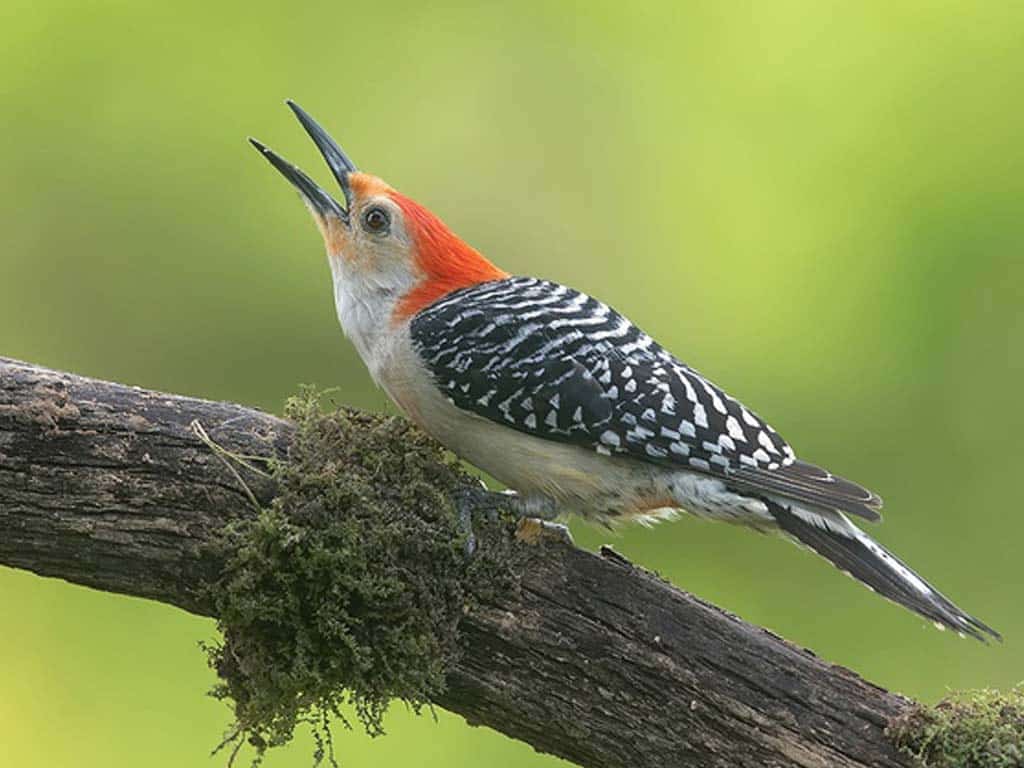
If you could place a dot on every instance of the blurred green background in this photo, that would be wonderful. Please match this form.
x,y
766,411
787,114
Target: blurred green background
x,y
817,204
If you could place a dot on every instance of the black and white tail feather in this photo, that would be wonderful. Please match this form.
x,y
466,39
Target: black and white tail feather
x,y
852,551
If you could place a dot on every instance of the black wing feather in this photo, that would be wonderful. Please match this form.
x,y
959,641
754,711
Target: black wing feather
x,y
812,484
555,363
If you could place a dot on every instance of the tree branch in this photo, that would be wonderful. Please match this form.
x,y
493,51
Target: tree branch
x,y
596,661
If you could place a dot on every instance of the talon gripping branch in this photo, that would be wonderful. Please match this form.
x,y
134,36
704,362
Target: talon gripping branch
x,y
565,400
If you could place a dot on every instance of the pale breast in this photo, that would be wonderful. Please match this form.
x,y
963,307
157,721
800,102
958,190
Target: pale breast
x,y
566,473
577,479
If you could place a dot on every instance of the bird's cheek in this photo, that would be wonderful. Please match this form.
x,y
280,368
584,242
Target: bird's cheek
x,y
336,237
357,261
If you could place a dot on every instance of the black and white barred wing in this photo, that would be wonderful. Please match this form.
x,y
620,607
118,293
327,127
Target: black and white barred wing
x,y
555,363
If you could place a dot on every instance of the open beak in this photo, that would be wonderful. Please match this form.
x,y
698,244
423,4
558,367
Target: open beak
x,y
319,202
335,156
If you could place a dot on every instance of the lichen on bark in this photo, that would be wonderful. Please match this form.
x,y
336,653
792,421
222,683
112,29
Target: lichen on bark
x,y
348,589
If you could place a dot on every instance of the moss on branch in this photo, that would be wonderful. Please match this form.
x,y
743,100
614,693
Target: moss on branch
x,y
975,729
349,588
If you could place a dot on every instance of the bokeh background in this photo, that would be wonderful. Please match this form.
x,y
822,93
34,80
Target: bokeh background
x,y
820,205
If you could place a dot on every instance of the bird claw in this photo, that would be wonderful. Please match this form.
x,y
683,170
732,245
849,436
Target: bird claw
x,y
465,527
536,517
532,530
539,507
477,504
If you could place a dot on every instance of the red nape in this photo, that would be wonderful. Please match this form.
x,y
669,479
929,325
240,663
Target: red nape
x,y
447,262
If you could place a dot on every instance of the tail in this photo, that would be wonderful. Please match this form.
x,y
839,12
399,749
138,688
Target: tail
x,y
851,550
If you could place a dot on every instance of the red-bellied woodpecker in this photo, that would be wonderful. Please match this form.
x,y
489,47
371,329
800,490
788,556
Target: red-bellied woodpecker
x,y
565,400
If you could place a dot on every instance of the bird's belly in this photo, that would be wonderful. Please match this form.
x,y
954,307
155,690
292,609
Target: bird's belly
x,y
577,478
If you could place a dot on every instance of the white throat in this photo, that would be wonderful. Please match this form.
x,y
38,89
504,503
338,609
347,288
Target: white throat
x,y
365,301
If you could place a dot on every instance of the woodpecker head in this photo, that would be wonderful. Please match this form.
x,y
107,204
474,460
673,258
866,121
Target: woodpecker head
x,y
384,249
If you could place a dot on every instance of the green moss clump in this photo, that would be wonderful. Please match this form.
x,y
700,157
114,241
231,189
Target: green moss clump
x,y
976,729
350,587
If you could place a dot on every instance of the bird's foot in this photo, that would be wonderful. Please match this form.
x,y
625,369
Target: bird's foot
x,y
539,507
532,530
536,517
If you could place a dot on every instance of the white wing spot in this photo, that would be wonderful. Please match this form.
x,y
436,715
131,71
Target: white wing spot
x,y
735,430
655,451
766,442
700,417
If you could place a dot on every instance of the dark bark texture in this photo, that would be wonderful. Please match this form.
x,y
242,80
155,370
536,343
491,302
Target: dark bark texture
x,y
594,660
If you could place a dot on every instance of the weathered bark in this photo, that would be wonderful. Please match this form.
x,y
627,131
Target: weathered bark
x,y
595,660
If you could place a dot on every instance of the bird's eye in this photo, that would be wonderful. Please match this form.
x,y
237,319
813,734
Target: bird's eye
x,y
376,220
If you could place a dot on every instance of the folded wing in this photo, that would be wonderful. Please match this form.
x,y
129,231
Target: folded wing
x,y
555,363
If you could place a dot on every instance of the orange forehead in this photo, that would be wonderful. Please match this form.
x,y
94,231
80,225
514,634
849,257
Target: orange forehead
x,y
365,185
